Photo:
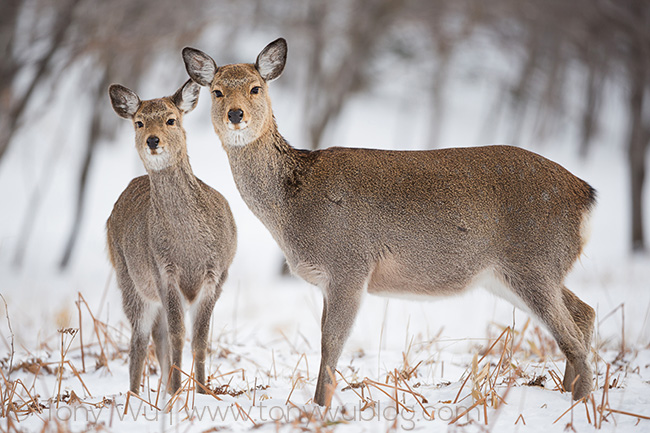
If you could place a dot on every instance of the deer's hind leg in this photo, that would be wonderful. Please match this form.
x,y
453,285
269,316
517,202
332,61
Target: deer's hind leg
x,y
161,344
141,315
583,316
546,299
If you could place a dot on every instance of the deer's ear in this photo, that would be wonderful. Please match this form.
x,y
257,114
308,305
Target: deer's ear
x,y
187,96
270,62
125,102
199,66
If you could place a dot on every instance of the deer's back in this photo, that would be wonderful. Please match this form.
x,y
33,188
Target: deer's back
x,y
458,208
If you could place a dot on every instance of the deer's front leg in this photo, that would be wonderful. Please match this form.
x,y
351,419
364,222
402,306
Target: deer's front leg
x,y
340,305
176,323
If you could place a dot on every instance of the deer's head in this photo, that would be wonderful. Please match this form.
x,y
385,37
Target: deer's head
x,y
159,133
241,106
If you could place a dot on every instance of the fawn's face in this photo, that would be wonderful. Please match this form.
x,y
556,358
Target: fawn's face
x,y
159,134
241,106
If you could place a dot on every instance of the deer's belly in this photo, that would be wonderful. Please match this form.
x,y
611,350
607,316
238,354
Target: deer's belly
x,y
390,277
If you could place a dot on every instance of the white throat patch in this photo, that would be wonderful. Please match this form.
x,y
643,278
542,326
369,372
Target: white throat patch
x,y
239,138
158,161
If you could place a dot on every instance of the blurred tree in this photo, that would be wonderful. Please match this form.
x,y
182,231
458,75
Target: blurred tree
x,y
336,46
119,40
19,55
609,41
124,37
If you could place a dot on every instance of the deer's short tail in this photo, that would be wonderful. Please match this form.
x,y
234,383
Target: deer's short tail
x,y
585,224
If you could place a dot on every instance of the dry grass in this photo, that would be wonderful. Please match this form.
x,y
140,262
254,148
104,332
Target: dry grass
x,y
511,359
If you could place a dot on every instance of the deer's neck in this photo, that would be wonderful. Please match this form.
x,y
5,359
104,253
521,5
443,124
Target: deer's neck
x,y
264,171
175,191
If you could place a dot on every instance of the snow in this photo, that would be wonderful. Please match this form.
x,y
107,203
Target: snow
x,y
266,327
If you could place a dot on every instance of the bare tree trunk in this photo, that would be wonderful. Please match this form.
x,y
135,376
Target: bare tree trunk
x,y
316,11
94,134
335,85
10,121
551,103
637,145
437,96
519,97
493,117
9,65
34,204
8,68
590,113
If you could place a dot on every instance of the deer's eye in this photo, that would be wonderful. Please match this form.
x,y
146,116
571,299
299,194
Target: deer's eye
x,y
171,122
255,90
218,94
139,124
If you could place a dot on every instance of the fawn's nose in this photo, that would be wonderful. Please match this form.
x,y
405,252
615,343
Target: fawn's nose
x,y
152,142
235,116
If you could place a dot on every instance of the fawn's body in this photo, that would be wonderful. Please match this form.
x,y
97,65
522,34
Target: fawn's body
x,y
171,239
405,222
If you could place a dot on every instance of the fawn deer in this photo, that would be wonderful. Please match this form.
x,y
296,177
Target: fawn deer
x,y
424,223
171,238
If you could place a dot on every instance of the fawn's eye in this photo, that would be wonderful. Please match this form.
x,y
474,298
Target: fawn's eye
x,y
255,90
139,124
171,122
218,94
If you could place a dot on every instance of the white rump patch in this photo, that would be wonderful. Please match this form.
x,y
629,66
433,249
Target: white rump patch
x,y
585,229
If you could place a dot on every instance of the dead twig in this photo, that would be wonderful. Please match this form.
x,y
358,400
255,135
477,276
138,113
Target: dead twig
x,y
11,332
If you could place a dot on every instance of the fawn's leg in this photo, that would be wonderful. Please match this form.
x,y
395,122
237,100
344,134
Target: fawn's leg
x,y
161,344
176,325
141,314
201,313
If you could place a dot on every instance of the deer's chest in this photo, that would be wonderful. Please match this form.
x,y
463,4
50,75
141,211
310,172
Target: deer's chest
x,y
184,257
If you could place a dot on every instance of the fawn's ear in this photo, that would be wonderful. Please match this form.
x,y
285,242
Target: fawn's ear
x,y
187,96
199,66
125,102
270,62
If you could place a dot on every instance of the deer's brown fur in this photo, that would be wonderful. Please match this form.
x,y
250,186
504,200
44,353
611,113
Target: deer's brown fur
x,y
425,223
171,238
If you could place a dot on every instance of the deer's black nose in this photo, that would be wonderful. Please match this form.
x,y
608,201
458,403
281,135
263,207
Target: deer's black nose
x,y
152,142
235,116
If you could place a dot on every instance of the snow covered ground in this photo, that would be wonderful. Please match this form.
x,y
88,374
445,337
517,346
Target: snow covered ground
x,y
265,333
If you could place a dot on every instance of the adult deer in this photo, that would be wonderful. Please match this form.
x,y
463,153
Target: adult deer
x,y
405,222
171,238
